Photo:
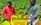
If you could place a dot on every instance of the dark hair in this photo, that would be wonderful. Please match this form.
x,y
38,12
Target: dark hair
x,y
33,0
9,2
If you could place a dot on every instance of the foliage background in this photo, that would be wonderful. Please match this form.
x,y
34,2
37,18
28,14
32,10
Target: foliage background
x,y
20,5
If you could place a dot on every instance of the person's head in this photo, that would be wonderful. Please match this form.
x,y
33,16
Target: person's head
x,y
9,4
33,2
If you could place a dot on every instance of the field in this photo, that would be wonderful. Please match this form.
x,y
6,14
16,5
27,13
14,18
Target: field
x,y
17,20
20,6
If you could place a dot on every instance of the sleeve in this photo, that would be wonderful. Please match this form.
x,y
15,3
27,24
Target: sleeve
x,y
3,11
35,14
13,9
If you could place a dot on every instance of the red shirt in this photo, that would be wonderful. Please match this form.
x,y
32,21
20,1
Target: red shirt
x,y
8,11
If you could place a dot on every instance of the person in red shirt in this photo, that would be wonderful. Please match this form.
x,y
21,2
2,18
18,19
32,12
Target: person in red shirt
x,y
8,10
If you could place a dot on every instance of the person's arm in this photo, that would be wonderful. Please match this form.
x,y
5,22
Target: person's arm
x,y
3,11
27,10
14,10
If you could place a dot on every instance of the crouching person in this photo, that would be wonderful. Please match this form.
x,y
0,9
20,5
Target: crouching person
x,y
34,11
8,10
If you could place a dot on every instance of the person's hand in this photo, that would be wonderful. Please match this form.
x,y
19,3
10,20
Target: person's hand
x,y
3,16
29,20
14,14
23,14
